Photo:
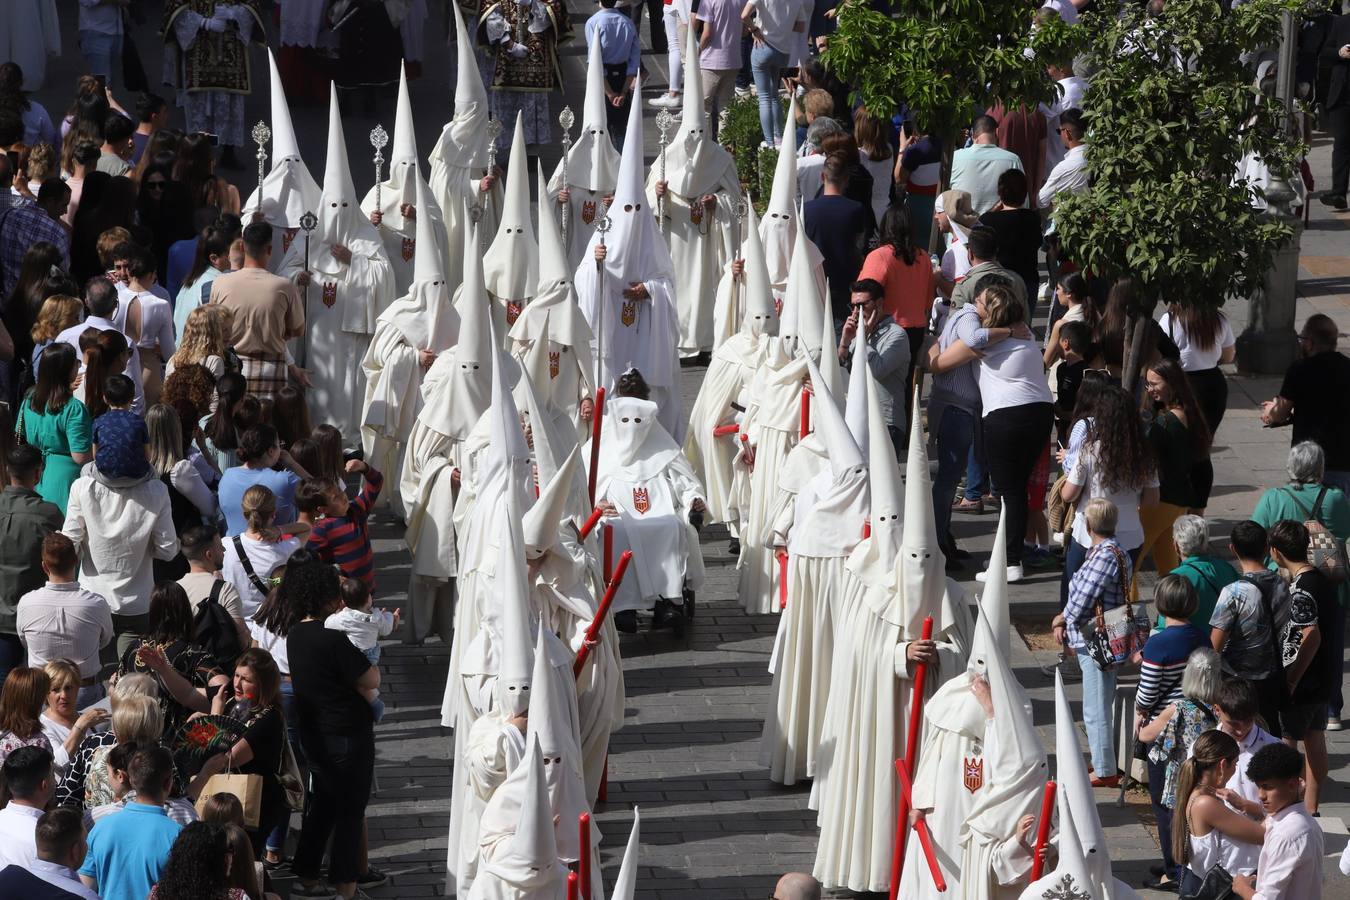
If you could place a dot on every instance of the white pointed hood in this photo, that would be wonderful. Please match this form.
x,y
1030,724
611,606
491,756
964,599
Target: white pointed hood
x,y
508,453
288,191
520,812
403,172
1084,864
554,313
803,305
468,386
831,511
874,560
592,161
515,669
625,884
994,601
635,250
695,163
425,315
463,143
830,370
553,726
855,406
1016,768
511,264
340,217
923,567
760,317
779,225
554,268
544,519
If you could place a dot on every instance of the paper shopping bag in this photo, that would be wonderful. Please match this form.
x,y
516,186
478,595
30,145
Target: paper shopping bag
x,y
248,788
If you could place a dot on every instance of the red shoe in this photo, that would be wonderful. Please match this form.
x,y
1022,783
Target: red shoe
x,y
1112,782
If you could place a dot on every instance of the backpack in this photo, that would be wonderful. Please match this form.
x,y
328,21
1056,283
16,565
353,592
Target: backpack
x,y
1325,551
213,629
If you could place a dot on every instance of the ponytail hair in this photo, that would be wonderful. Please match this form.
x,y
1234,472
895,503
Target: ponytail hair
x,y
102,362
1209,750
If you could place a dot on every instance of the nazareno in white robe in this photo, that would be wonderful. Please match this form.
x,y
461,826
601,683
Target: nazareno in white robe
x,y
713,457
773,424
855,769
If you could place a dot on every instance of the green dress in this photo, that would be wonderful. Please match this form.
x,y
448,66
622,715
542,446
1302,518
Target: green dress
x,y
57,435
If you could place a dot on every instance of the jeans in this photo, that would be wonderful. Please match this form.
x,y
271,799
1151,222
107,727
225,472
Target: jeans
x,y
341,769
977,476
1099,689
1015,437
1162,815
12,655
767,64
743,74
372,655
955,438
103,53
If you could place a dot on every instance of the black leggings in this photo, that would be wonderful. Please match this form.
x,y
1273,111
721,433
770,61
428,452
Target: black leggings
x,y
1211,393
1013,440
341,768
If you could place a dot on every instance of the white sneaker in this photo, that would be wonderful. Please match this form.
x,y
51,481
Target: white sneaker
x,y
1333,724
1014,575
665,101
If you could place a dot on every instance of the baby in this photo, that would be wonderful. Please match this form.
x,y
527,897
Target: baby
x,y
364,625
119,435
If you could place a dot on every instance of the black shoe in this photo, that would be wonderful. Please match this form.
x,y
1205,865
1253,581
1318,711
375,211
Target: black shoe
x,y
1335,201
734,547
626,621
372,879
1170,886
667,614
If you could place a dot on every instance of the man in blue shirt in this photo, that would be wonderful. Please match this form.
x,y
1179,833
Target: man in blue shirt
x,y
620,51
127,850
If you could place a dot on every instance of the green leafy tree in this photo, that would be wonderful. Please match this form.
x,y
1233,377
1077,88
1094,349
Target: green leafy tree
x,y
943,58
1172,111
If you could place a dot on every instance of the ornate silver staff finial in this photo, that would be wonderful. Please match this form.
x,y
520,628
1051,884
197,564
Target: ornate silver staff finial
x,y
566,119
261,135
379,139
663,122
308,222
603,227
494,131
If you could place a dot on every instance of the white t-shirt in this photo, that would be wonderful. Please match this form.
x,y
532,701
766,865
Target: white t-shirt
x,y
776,18
273,644
1012,373
264,557
1086,474
881,171
1193,359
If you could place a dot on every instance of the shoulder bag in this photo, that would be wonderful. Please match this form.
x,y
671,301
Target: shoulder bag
x,y
1325,551
1120,632
258,584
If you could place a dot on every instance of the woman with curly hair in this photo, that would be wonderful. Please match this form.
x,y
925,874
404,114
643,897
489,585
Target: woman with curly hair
x,y
58,312
205,340
198,867
1117,463
1180,437
336,725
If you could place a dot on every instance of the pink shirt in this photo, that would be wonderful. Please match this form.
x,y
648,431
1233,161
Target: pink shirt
x,y
723,19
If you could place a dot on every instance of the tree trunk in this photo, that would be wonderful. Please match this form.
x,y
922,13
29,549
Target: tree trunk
x,y
1134,348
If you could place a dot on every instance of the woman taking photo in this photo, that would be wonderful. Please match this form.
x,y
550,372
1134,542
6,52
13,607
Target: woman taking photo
x,y
1016,405
1206,830
62,722
21,700
1206,341
51,419
1179,436
336,725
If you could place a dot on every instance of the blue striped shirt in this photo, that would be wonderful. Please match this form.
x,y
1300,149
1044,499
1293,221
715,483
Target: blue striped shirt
x,y
1165,655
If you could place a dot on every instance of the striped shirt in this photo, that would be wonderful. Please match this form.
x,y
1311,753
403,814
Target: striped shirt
x,y
1164,663
345,540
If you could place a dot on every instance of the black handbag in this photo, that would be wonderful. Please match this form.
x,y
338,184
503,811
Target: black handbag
x,y
1218,885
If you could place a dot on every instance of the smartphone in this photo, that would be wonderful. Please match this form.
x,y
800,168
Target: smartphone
x,y
13,161
214,139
